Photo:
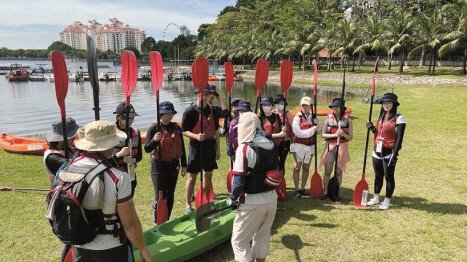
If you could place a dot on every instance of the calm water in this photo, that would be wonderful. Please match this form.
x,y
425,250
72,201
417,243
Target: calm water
x,y
29,107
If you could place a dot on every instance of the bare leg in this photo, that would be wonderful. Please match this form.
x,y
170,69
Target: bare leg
x,y
305,172
327,175
207,182
339,176
189,188
296,171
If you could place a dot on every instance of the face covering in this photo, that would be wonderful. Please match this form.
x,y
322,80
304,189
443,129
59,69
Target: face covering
x,y
280,107
267,109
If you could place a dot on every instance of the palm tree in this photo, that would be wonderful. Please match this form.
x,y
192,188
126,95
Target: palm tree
x,y
399,34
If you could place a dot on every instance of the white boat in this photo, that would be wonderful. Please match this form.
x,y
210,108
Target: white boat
x,y
37,77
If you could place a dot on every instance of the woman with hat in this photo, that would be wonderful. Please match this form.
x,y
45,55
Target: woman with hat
x,y
231,129
304,126
336,127
166,141
279,104
253,176
127,159
270,121
54,156
389,133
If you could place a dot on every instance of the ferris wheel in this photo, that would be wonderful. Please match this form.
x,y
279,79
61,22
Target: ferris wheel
x,y
182,29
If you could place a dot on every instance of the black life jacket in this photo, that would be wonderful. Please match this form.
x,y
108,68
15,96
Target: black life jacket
x,y
266,159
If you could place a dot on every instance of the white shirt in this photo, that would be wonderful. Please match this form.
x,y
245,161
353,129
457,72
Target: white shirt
x,y
306,133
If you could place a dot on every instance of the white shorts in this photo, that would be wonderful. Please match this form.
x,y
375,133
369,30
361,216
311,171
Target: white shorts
x,y
303,153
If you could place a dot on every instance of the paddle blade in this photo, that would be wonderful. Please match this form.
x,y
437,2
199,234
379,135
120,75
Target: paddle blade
x,y
229,181
157,70
315,77
201,70
194,76
204,198
373,79
229,77
69,256
61,79
129,72
361,186
281,189
92,63
286,75
162,211
261,76
333,189
316,185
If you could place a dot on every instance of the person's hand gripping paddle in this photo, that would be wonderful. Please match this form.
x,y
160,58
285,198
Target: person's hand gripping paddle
x,y
157,75
229,81
261,77
93,75
200,73
316,183
129,78
286,75
359,199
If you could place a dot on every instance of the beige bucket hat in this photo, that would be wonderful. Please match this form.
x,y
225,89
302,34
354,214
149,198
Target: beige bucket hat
x,y
306,101
247,125
100,136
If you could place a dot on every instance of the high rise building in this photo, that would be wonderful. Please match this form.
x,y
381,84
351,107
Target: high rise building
x,y
113,36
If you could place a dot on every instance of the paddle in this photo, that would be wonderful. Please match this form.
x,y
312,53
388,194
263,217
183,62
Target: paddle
x,y
286,75
205,214
61,89
261,77
316,183
229,81
362,185
200,72
157,75
93,75
129,78
9,188
333,186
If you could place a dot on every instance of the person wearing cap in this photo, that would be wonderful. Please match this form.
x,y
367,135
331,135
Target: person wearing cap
x,y
389,134
114,198
304,126
126,158
220,111
255,160
192,119
270,121
54,157
242,107
279,104
336,127
165,140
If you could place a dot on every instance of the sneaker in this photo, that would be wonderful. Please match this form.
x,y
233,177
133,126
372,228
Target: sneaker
x,y
188,210
373,201
323,197
302,192
298,193
385,204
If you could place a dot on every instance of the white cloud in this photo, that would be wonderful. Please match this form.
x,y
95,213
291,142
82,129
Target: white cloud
x,y
152,16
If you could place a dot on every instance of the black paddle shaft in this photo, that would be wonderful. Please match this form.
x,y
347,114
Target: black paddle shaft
x,y
127,124
316,135
201,116
368,133
160,142
341,113
65,138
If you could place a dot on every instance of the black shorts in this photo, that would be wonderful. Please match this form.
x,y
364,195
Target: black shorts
x,y
118,254
209,157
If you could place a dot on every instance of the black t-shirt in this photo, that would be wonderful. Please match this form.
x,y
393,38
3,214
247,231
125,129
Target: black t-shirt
x,y
191,116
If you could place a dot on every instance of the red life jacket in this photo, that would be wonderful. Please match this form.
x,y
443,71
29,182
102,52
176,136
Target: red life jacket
x,y
171,146
386,132
304,124
272,129
288,124
332,127
209,128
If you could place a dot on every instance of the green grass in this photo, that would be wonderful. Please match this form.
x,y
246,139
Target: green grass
x,y
427,220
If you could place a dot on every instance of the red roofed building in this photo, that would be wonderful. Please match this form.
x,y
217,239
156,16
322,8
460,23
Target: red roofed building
x,y
113,36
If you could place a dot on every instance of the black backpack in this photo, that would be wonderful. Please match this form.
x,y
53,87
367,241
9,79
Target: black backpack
x,y
70,222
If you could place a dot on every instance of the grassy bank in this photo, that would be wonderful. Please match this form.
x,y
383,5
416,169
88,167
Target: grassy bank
x,y
426,222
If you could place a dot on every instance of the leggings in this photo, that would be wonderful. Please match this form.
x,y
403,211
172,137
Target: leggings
x,y
168,184
283,150
382,170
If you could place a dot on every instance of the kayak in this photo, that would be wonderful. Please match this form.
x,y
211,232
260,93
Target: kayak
x,y
178,239
23,145
321,111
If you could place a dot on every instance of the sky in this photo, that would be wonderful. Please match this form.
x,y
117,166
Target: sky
x,y
32,24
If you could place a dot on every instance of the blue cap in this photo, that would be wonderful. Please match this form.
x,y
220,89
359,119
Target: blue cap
x,y
235,101
337,102
389,97
279,98
166,108
267,101
244,106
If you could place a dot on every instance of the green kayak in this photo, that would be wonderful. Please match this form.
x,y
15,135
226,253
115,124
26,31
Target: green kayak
x,y
178,239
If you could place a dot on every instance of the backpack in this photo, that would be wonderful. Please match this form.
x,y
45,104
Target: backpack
x,y
70,221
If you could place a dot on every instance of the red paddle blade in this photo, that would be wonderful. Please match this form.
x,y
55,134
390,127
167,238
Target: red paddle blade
x,y
129,73
261,77
373,79
157,71
201,70
316,185
61,79
162,211
281,189
286,75
315,77
69,256
229,181
194,76
229,77
204,198
358,192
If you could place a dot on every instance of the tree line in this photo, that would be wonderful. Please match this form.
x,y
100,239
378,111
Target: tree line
x,y
351,29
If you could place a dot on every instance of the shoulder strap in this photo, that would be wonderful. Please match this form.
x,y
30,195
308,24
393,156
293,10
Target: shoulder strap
x,y
245,159
97,171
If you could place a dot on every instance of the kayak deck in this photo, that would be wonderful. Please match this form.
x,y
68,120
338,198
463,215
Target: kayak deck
x,y
178,239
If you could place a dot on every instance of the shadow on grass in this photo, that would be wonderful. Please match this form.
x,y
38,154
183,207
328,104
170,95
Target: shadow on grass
x,y
294,243
423,204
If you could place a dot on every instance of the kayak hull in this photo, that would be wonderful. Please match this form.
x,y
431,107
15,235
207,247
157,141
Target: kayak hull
x,y
23,145
178,239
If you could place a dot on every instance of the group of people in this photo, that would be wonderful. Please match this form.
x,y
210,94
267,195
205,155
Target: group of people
x,y
257,143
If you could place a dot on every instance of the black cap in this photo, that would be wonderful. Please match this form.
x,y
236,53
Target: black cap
x,y
244,106
337,102
267,101
166,108
206,89
279,98
235,101
389,97
121,110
